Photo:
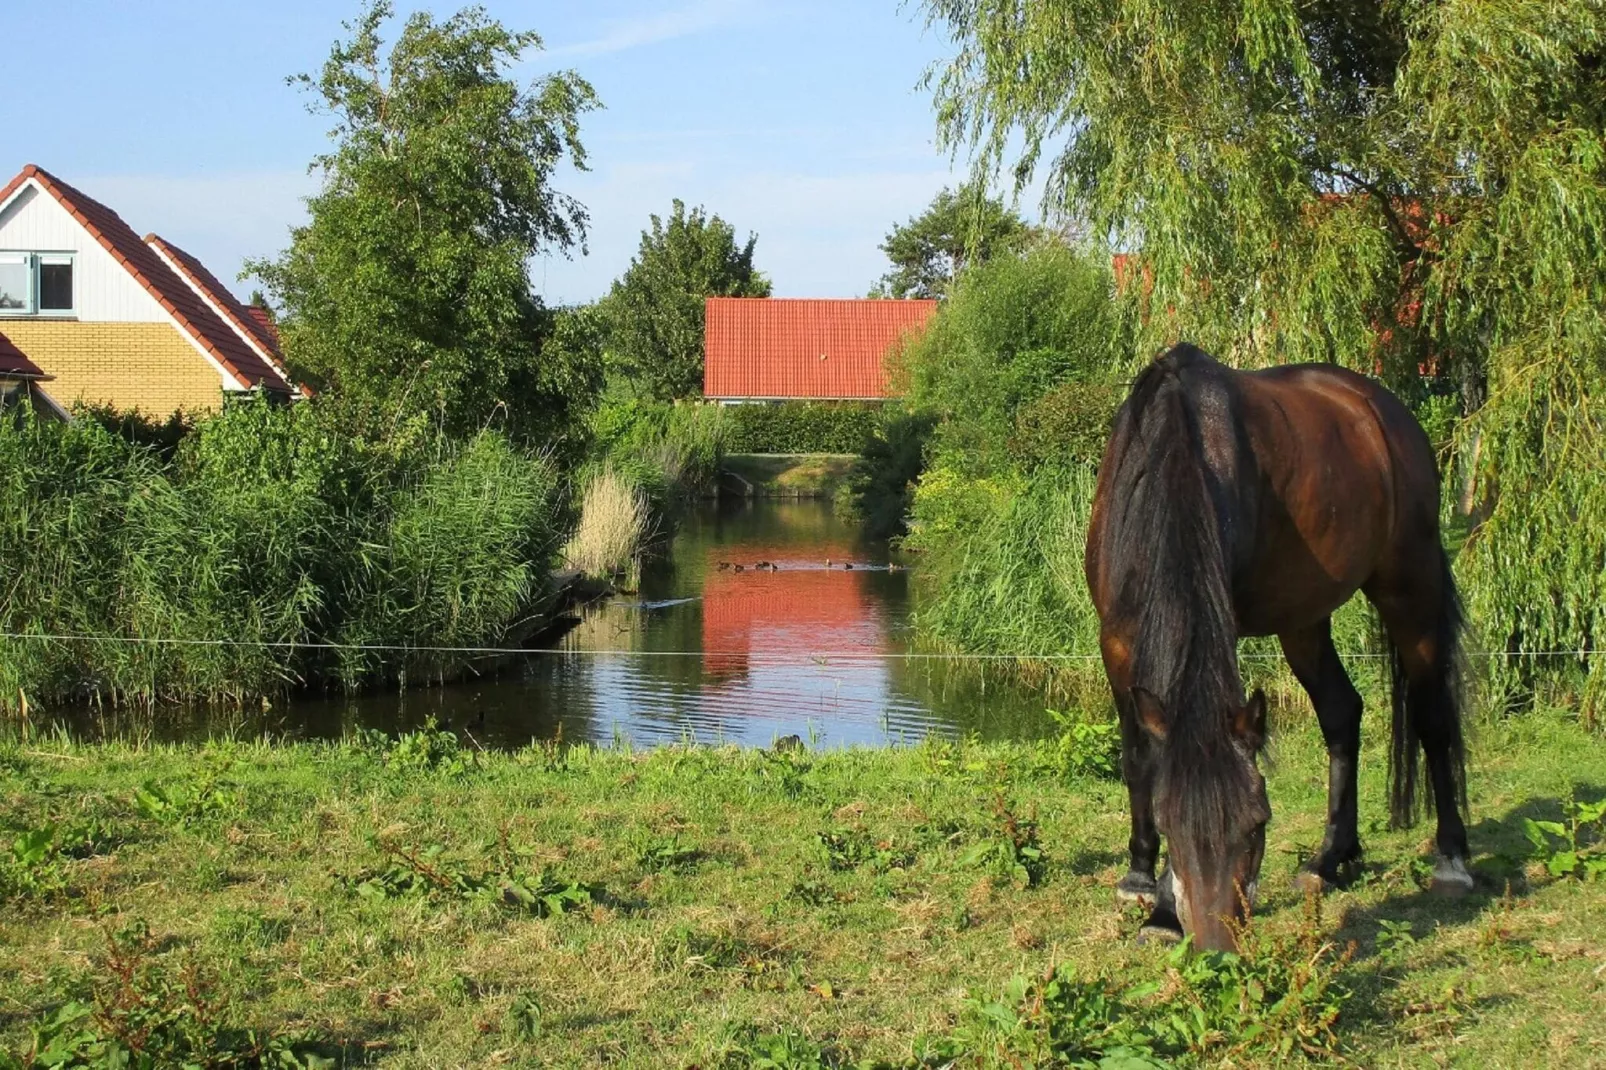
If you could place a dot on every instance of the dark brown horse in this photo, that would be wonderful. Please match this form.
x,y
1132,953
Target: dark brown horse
x,y
1256,503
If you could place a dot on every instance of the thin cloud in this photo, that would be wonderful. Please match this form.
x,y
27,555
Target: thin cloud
x,y
625,34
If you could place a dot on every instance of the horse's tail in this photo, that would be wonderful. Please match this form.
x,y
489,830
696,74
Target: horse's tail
x,y
1429,709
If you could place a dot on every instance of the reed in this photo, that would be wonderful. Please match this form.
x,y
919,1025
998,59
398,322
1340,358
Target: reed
x,y
615,525
222,575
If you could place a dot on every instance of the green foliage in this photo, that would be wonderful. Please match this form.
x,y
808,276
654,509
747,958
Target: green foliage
x,y
1003,571
1086,747
1574,846
1010,849
180,804
430,873
216,575
880,488
800,426
668,451
1013,330
1068,425
145,1014
655,310
429,749
848,848
407,293
1392,187
959,229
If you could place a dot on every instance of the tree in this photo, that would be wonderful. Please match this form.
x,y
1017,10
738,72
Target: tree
x,y
407,292
962,228
655,310
1396,185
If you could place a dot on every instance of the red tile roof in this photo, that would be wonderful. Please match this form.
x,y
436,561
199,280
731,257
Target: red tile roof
x,y
765,347
142,261
267,328
236,314
15,363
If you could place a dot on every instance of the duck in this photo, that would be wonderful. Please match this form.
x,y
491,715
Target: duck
x,y
724,566
894,567
740,568
847,565
764,566
828,562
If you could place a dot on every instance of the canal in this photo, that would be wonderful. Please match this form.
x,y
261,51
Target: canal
x,y
764,619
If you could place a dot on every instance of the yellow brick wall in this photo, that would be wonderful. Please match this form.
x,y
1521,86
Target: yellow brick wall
x,y
144,366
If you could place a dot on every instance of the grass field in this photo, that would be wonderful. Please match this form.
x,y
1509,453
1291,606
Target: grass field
x,y
414,904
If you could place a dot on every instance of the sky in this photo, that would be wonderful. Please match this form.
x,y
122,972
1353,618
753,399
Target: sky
x,y
801,121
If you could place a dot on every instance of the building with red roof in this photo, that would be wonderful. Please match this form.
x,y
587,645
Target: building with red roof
x,y
118,320
775,349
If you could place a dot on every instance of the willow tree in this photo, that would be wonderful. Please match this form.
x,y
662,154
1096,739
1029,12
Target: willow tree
x,y
1403,187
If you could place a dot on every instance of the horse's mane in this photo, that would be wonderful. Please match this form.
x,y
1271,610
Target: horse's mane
x,y
1167,552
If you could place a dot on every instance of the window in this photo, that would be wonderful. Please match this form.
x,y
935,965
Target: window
x,y
36,283
16,283
55,283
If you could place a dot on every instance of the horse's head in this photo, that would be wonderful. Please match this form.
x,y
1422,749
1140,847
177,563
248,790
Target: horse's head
x,y
1212,809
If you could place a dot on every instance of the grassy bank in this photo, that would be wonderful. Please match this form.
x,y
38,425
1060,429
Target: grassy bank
x,y
788,475
411,904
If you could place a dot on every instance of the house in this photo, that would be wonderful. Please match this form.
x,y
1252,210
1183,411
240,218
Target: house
x,y
110,318
775,349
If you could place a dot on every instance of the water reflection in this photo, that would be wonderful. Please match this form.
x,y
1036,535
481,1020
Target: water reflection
x,y
712,648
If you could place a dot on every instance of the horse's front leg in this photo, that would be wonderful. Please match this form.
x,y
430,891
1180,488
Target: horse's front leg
x,y
1138,885
1316,664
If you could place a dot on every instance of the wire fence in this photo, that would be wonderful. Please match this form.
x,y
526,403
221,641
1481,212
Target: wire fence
x,y
797,655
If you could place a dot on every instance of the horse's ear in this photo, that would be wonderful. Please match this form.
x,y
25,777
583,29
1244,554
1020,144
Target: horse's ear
x,y
1249,724
1151,715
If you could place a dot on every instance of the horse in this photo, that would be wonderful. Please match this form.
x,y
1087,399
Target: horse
x,y
1242,503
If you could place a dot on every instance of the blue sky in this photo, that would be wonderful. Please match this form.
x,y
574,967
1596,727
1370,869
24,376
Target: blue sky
x,y
799,120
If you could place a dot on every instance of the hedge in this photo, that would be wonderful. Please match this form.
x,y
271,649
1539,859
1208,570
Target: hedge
x,y
800,426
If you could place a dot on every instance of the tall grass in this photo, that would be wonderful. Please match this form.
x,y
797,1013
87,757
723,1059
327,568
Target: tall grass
x,y
615,524
226,573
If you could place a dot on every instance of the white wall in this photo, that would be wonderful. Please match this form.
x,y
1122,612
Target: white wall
x,y
103,290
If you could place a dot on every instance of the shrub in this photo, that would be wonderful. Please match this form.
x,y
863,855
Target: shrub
x,y
880,487
801,426
218,575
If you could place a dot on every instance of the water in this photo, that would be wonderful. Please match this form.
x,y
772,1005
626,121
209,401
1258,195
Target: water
x,y
707,653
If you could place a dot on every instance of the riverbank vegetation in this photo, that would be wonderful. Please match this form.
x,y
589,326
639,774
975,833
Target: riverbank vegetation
x,y
263,555
415,902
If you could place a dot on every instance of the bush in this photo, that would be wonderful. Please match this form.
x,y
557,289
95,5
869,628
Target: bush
x,y
801,426
880,487
217,575
1015,329
1005,571
667,450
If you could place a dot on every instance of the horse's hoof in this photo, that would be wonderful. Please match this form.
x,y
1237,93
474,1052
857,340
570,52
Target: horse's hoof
x,y
1154,933
1450,877
1137,888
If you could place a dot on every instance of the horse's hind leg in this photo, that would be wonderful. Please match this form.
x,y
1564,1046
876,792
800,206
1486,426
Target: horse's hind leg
x,y
1316,664
1422,618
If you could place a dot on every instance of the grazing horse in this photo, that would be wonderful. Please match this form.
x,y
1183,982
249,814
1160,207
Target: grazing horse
x,y
1240,503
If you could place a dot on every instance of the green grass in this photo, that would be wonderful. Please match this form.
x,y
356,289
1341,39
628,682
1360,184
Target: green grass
x,y
791,475
420,904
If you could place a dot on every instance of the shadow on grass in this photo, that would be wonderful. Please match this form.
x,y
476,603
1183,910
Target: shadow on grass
x,y
1500,853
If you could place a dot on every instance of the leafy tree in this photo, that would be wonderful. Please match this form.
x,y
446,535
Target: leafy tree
x,y
407,292
1395,185
655,310
930,250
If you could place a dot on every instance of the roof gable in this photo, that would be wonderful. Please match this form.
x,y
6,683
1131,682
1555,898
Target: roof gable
x,y
222,302
763,347
183,304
